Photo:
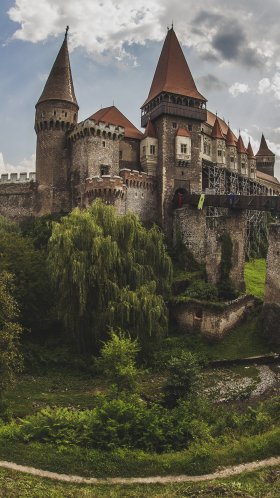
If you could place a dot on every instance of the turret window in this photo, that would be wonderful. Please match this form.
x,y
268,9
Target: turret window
x,y
231,159
219,153
104,169
152,150
144,150
103,144
183,148
174,125
190,127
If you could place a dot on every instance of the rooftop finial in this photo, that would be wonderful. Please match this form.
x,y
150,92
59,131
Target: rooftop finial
x,y
66,31
172,24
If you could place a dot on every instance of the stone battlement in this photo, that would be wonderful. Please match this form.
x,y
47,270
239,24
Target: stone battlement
x,y
17,177
104,186
90,127
138,179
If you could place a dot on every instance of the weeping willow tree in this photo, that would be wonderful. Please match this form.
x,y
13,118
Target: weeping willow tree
x,y
109,271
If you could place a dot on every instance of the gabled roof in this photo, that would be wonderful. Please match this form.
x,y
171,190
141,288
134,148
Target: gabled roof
x,y
230,138
240,146
172,72
250,151
182,132
217,130
149,130
112,115
267,178
264,150
59,85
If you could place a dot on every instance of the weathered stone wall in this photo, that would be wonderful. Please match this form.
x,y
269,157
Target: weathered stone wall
x,y
18,200
271,308
210,322
129,153
141,196
202,234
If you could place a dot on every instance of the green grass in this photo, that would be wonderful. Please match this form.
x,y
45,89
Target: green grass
x,y
264,483
199,458
255,272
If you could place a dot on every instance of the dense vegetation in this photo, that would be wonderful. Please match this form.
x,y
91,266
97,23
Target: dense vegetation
x,y
89,293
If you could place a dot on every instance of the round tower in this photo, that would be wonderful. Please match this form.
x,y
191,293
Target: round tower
x,y
56,113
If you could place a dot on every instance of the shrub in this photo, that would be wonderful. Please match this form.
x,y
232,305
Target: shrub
x,y
202,290
183,377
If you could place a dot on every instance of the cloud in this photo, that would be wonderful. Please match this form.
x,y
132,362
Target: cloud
x,y
272,85
210,82
25,166
238,88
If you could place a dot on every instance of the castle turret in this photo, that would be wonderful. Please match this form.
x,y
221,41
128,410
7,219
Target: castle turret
x,y
251,162
218,144
56,113
175,103
265,158
242,155
231,150
149,150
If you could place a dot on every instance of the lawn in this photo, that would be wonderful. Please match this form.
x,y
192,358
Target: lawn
x,y
259,484
255,272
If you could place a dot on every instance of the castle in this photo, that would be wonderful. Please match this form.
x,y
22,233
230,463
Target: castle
x,y
183,148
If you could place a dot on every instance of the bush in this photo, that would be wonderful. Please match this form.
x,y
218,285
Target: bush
x,y
202,290
117,361
183,377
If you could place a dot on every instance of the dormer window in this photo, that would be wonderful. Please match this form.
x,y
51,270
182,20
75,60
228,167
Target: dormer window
x,y
152,150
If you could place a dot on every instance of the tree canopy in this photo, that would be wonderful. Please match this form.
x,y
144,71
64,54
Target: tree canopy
x,y
109,271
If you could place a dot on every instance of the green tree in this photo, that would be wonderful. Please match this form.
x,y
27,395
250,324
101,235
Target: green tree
x,y
109,271
117,361
10,330
183,377
32,282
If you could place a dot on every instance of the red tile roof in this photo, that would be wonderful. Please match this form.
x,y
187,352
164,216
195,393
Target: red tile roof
x,y
59,85
230,138
182,132
172,72
217,130
264,150
112,115
240,146
268,178
149,130
250,151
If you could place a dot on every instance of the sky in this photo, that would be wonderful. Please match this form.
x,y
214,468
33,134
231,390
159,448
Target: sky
x,y
232,48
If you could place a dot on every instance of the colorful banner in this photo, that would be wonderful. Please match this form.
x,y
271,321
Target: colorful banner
x,y
201,201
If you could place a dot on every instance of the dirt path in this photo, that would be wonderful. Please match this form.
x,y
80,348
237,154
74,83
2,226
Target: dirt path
x,y
226,472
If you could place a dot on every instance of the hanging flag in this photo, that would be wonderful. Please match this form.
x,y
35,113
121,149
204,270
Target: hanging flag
x,y
201,201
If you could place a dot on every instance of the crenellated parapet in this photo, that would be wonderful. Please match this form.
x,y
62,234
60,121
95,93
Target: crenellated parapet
x,y
17,177
107,187
101,130
137,179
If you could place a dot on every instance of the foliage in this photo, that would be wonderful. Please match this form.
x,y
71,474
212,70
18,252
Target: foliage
x,y
32,286
183,377
225,285
202,290
10,330
254,273
117,361
182,257
109,271
39,229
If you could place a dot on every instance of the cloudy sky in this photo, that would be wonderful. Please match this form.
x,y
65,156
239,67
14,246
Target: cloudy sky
x,y
232,48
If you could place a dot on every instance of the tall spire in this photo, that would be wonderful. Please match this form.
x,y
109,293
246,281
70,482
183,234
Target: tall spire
x,y
264,150
217,130
172,73
59,85
240,145
250,151
230,138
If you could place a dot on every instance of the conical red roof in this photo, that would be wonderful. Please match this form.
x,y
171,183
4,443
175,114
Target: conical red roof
x,y
217,130
240,146
264,150
182,132
230,138
112,115
149,130
59,85
172,73
250,151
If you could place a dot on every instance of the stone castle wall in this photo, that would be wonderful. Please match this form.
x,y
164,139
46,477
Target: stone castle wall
x,y
18,200
271,308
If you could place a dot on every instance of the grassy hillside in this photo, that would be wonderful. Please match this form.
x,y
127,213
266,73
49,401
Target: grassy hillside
x,y
255,272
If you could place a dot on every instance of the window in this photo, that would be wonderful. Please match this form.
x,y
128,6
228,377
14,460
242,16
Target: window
x,y
190,127
65,114
174,125
144,150
104,169
231,159
205,148
54,113
252,170
104,143
219,153
153,150
183,148
120,155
